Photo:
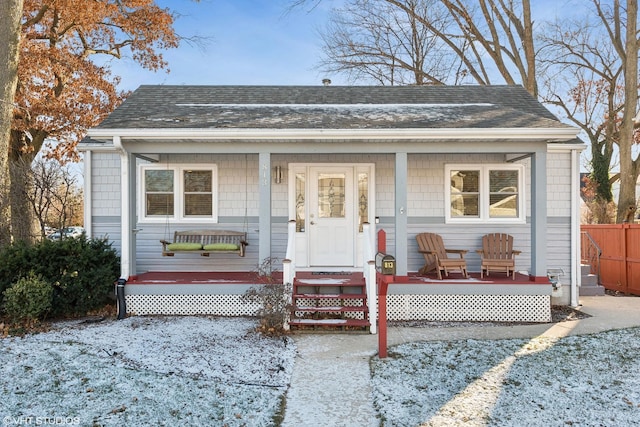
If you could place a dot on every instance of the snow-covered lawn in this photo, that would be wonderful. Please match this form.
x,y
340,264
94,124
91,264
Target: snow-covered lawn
x,y
146,371
591,380
217,371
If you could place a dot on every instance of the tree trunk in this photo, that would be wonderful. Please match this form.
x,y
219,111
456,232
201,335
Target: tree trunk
x,y
600,163
10,14
529,80
628,172
23,219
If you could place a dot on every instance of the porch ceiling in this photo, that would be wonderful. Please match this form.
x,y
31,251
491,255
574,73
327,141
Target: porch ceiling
x,y
337,146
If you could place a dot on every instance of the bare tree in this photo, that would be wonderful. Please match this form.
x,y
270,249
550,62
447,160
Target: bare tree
x,y
627,47
591,74
589,69
481,40
54,194
373,40
44,178
10,13
500,35
582,76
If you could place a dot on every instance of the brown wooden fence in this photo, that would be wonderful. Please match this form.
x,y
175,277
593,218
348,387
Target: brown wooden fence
x,y
620,259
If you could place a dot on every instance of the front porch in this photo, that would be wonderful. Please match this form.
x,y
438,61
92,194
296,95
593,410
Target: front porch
x,y
413,297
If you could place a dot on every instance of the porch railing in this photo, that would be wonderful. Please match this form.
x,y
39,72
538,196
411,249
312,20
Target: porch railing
x,y
368,266
590,253
289,267
289,262
369,273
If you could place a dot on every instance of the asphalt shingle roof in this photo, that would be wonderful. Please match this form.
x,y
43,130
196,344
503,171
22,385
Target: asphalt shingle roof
x,y
330,107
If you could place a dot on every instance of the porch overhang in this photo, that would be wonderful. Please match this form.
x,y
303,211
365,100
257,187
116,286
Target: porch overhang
x,y
560,134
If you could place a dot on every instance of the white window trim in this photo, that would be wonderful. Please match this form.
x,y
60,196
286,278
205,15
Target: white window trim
x,y
484,194
178,185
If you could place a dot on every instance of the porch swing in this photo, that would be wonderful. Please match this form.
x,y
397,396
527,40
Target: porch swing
x,y
207,242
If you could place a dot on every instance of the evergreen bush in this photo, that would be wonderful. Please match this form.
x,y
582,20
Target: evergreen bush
x,y
28,299
80,271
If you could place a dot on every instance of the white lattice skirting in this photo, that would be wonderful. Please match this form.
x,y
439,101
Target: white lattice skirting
x,y
216,305
514,303
186,300
480,308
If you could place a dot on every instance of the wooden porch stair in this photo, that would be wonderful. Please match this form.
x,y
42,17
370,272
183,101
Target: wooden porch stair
x,y
329,303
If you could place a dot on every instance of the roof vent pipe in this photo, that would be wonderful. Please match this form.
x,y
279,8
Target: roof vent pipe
x,y
326,82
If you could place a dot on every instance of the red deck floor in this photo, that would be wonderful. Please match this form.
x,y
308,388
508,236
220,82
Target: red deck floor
x,y
250,277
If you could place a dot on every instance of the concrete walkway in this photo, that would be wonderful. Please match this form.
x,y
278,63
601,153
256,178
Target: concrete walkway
x,y
330,385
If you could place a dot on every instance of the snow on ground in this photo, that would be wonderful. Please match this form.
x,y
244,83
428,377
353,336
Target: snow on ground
x,y
146,371
587,380
217,371
331,382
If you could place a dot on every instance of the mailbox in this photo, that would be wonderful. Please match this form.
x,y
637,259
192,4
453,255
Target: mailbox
x,y
385,264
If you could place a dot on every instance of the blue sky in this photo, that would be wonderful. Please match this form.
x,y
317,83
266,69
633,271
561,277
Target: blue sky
x,y
248,42
256,42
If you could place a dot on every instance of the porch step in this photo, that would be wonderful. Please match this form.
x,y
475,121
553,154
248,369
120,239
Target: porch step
x,y
329,323
589,283
329,296
589,280
335,309
585,269
329,303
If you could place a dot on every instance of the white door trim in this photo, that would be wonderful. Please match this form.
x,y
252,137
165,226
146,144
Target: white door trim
x,y
299,177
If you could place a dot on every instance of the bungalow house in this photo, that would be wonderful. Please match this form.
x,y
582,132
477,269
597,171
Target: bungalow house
x,y
312,173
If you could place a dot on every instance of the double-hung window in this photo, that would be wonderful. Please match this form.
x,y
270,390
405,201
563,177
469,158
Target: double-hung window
x,y
183,193
484,193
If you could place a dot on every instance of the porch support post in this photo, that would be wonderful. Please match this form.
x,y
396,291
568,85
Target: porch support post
x,y
264,211
88,195
576,251
127,210
539,216
132,213
401,214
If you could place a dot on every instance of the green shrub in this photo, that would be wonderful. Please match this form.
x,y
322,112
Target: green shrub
x,y
28,299
16,261
81,271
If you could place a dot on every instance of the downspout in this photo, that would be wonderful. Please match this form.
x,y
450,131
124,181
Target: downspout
x,y
576,277
88,195
125,219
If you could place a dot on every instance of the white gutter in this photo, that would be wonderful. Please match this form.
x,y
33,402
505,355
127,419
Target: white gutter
x,y
125,224
101,147
560,147
559,134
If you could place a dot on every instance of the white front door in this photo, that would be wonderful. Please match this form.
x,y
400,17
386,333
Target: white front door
x,y
331,216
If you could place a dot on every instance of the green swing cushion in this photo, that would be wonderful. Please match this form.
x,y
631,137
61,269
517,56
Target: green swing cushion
x,y
221,247
184,247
